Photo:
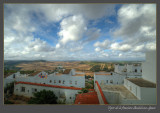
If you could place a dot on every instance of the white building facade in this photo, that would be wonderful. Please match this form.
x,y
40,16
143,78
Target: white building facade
x,y
65,86
64,95
128,87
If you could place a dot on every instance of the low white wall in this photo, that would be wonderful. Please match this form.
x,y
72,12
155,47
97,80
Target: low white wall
x,y
112,97
98,94
145,95
136,90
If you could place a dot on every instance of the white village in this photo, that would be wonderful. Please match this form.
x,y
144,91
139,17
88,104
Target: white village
x,y
128,84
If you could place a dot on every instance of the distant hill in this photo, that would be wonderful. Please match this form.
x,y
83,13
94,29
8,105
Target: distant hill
x,y
10,64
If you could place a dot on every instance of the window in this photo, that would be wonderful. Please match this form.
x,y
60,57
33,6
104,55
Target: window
x,y
14,76
35,90
75,82
28,91
106,81
59,81
22,89
54,81
70,82
50,81
63,81
135,70
141,70
111,81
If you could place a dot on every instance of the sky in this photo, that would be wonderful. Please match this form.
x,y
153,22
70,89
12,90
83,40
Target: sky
x,y
79,31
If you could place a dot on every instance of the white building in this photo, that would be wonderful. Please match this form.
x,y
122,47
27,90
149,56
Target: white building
x,y
64,94
108,78
134,90
65,84
130,70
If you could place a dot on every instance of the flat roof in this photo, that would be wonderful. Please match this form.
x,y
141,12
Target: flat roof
x,y
118,89
142,83
102,73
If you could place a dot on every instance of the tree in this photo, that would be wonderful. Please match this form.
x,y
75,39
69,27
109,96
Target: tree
x,y
43,97
9,88
83,90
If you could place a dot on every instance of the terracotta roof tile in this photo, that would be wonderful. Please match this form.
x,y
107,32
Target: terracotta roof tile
x,y
87,98
100,90
48,85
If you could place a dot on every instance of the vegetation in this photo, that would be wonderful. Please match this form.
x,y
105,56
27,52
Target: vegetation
x,y
6,72
95,68
61,102
8,102
87,77
105,69
43,97
9,89
83,90
26,72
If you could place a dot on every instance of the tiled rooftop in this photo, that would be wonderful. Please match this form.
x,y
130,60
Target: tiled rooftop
x,y
87,98
54,86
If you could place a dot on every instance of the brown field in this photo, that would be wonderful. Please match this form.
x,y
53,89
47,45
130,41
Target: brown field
x,y
39,66
50,65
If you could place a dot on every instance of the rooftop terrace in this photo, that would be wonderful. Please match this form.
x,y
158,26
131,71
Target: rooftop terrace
x,y
118,89
142,83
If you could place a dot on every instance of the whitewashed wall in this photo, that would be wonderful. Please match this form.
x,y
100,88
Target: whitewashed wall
x,y
116,78
130,70
149,67
52,79
145,94
70,94
136,90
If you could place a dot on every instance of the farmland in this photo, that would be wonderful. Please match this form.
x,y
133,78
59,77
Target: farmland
x,y
88,67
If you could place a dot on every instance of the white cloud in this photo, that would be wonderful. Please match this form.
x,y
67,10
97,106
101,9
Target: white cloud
x,y
133,17
137,27
103,44
72,29
97,49
151,46
117,46
120,55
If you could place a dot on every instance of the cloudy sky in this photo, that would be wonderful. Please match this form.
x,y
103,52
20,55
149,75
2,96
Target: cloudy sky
x,y
79,31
